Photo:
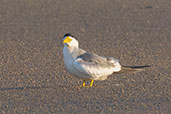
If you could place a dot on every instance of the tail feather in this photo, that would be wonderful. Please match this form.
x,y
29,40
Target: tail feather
x,y
131,69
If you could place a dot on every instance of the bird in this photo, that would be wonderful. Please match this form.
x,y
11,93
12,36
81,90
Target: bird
x,y
90,66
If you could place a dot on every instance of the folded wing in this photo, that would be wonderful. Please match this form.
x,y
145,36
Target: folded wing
x,y
95,66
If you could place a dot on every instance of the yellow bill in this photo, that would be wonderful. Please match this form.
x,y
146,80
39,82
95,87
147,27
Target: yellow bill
x,y
67,39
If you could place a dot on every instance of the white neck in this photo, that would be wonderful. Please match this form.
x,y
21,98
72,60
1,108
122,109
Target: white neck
x,y
69,52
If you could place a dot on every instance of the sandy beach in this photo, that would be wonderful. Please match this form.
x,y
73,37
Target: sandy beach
x,y
33,79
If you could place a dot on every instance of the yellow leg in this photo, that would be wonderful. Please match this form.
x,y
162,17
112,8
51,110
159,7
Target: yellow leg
x,y
91,84
83,83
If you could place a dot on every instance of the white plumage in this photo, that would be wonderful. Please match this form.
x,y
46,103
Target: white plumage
x,y
90,66
84,65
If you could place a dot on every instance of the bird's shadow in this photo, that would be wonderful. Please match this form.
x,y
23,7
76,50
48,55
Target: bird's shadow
x,y
32,88
23,88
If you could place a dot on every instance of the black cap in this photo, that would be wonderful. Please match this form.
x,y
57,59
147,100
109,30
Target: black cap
x,y
67,35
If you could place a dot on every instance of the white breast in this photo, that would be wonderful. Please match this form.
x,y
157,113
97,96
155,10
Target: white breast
x,y
68,62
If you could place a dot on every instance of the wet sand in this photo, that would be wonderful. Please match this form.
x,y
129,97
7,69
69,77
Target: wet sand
x,y
33,79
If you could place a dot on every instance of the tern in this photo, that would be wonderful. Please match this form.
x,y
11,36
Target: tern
x,y
90,66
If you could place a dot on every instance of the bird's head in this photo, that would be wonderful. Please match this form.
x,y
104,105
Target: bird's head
x,y
70,41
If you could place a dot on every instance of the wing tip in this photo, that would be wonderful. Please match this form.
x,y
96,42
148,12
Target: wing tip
x,y
136,67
